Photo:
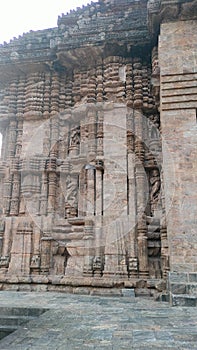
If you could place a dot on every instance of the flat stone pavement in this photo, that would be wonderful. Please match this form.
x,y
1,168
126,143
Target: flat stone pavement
x,y
101,323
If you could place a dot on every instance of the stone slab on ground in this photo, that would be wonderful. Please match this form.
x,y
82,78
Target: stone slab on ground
x,y
90,322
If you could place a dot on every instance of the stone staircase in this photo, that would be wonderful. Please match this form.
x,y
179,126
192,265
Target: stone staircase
x,y
13,317
183,288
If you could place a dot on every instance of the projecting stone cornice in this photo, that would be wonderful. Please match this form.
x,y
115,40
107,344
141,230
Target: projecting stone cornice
x,y
160,11
97,30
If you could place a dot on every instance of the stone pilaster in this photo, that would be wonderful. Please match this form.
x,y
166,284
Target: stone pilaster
x,y
35,259
19,138
21,247
12,138
14,206
141,187
88,248
99,80
54,137
92,120
99,135
91,87
131,197
91,190
54,97
7,192
45,255
44,194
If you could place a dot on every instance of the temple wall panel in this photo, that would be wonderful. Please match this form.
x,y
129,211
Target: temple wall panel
x,y
178,122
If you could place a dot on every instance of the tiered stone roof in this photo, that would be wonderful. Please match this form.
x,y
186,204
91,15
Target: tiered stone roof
x,y
99,28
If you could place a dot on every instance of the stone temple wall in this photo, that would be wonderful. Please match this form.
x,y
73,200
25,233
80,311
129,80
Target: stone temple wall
x,y
91,180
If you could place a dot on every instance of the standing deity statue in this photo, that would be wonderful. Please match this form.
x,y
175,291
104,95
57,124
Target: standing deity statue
x,y
75,137
71,196
74,141
155,183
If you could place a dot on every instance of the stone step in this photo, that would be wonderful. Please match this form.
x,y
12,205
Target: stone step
x,y
14,320
191,288
6,330
128,292
184,288
13,317
21,312
183,300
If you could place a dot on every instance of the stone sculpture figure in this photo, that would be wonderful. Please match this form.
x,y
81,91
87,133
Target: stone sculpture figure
x,y
75,137
155,183
89,126
71,196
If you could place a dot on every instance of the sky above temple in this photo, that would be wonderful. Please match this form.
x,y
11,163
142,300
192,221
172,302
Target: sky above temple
x,y
21,16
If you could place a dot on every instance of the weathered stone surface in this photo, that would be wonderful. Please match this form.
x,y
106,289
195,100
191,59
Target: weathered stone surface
x,y
83,322
98,192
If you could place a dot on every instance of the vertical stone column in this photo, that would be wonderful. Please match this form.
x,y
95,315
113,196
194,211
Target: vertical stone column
x,y
46,143
100,152
164,249
98,259
129,84
142,249
99,189
88,247
54,98
13,98
12,138
52,184
35,260
62,93
9,134
7,193
91,91
51,163
34,96
69,94
84,136
84,84
177,59
45,255
99,80
131,196
6,246
114,78
165,260
44,194
137,79
145,86
2,230
5,138
54,137
91,190
21,97
155,76
121,82
14,206
141,187
92,119
76,86
82,194
19,138
46,95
